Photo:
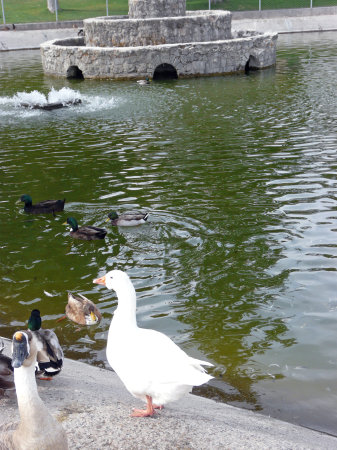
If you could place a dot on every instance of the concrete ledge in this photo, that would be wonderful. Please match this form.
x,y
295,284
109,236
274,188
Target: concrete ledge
x,y
31,40
42,25
288,24
94,407
291,12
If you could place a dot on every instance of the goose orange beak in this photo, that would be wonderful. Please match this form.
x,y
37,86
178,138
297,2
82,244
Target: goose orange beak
x,y
100,280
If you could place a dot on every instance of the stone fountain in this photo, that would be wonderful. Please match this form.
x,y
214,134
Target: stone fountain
x,y
159,39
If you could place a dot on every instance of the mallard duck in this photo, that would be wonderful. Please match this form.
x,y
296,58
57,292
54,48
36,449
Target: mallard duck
x,y
82,310
144,82
128,219
50,357
87,233
37,428
6,372
47,206
152,367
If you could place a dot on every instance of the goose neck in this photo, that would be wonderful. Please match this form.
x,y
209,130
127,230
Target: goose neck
x,y
126,309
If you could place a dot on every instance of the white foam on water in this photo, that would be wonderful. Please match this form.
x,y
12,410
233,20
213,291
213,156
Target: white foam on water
x,y
6,100
95,103
32,98
12,106
64,95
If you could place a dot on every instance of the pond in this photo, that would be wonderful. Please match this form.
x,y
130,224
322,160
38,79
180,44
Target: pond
x,y
238,260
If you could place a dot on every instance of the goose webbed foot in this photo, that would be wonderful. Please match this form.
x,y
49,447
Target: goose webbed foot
x,y
149,411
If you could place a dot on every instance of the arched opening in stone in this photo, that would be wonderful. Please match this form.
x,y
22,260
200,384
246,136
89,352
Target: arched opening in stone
x,y
165,72
75,72
251,64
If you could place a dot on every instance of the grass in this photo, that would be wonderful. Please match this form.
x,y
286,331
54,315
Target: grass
x,y
251,5
23,11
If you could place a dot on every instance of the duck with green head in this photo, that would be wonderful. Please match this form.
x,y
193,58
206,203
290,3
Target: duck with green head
x,y
128,219
50,357
44,207
86,233
145,82
34,321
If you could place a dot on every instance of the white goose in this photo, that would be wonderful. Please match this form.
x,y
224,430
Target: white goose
x,y
37,428
152,367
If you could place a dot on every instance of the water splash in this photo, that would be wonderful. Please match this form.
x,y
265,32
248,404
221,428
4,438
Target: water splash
x,y
64,95
9,105
32,98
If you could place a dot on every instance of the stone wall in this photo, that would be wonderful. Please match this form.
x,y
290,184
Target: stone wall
x,y
192,59
105,32
142,9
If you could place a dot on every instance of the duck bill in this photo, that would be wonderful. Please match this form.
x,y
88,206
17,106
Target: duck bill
x,y
100,281
91,319
20,350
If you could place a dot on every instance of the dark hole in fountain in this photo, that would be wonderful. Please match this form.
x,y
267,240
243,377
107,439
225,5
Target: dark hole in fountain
x,y
251,64
165,72
74,72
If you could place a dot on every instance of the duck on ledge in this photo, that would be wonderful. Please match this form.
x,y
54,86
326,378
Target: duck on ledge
x,y
37,428
6,372
50,356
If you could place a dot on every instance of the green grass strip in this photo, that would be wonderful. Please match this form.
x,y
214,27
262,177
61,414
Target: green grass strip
x,y
24,11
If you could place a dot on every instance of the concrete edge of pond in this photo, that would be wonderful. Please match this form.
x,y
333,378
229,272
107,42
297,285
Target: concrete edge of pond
x,y
29,36
94,409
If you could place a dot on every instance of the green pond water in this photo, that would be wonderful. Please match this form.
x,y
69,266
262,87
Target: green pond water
x,y
238,261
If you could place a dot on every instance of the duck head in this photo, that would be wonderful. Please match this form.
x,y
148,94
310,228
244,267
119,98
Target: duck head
x,y
112,216
72,222
25,347
20,348
113,279
34,321
91,318
27,199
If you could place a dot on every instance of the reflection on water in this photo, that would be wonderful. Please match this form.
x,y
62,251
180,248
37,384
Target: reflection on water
x,y
238,260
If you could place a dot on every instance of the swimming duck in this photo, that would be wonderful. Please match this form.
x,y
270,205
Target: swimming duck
x,y
6,372
87,233
46,206
37,428
152,367
50,356
144,82
128,219
82,310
